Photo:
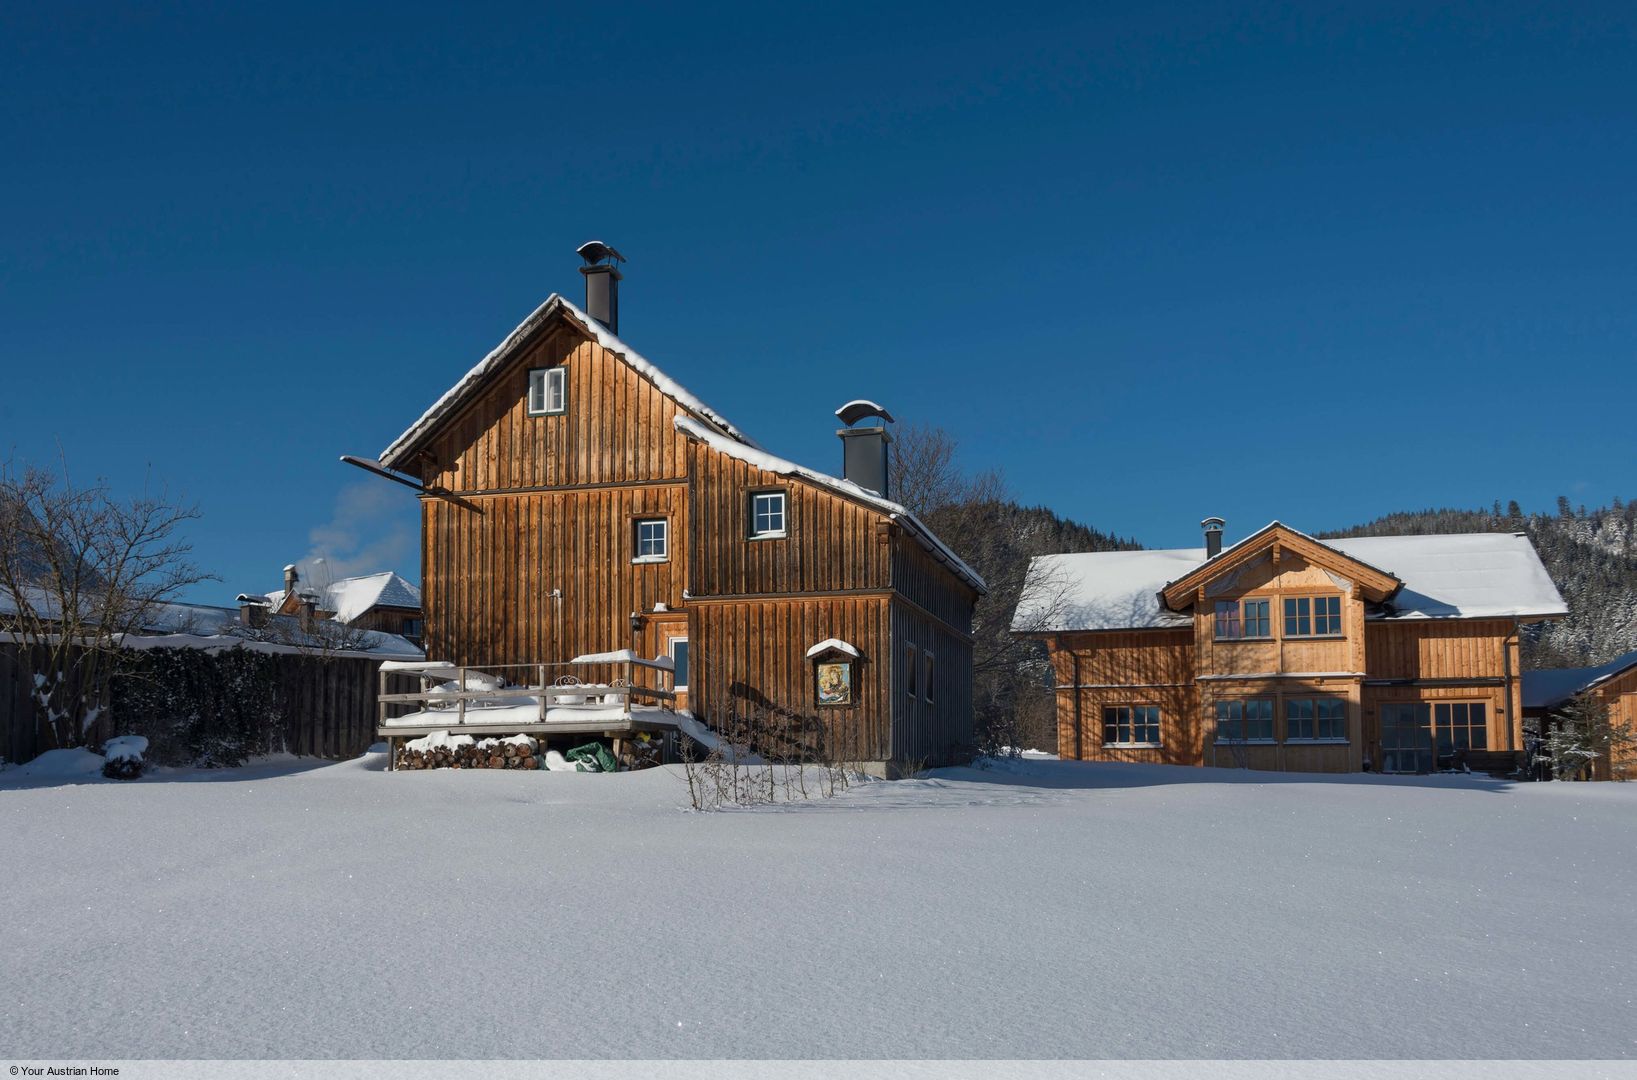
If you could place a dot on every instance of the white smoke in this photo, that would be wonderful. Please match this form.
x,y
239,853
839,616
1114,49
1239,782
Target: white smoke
x,y
373,527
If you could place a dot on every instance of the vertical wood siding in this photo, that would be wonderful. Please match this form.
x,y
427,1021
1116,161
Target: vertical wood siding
x,y
489,577
750,655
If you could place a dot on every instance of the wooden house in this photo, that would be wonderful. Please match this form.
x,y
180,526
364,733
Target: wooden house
x,y
382,601
1547,692
1396,654
577,500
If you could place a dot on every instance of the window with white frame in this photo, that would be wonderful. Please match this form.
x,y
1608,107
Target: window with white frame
x,y
1131,725
766,513
678,648
653,540
1247,720
1315,719
548,391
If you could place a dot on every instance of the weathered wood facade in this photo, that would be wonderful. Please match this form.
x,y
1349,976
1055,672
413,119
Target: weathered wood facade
x,y
1280,653
532,550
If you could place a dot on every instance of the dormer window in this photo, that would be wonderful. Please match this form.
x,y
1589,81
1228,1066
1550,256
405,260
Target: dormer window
x,y
548,391
766,515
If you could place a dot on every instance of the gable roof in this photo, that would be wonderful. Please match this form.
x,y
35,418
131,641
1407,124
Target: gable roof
x,y
1464,576
554,307
761,459
1377,584
351,597
1550,687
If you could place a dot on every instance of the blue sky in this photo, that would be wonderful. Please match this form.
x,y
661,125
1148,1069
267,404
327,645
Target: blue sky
x,y
1309,263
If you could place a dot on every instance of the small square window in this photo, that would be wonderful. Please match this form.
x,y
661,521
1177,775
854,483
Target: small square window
x,y
653,540
767,513
548,391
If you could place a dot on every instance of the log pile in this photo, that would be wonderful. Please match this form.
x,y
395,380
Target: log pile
x,y
462,752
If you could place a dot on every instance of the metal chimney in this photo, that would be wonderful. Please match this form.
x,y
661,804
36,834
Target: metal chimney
x,y
1213,536
864,449
602,282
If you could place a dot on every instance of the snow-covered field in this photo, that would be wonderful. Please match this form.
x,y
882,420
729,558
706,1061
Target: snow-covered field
x,y
1044,909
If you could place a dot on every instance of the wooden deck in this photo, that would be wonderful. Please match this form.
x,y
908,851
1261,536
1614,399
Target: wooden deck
x,y
618,708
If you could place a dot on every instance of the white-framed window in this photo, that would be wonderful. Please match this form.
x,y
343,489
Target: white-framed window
x,y
926,680
548,391
1316,719
1245,721
1131,725
653,540
678,648
767,518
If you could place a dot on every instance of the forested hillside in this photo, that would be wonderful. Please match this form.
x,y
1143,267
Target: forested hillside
x,y
1591,554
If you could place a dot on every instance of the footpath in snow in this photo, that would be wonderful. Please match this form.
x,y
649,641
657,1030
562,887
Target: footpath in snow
x,y
1037,909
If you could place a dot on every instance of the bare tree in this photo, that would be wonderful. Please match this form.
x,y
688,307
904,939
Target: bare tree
x,y
79,570
975,515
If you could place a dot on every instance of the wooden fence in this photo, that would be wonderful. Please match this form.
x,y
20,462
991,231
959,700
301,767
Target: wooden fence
x,y
326,706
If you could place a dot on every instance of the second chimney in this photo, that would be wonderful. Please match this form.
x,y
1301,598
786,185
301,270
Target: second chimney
x,y
1213,536
602,282
864,449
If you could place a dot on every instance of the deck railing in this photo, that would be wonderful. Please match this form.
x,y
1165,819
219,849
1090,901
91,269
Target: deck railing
x,y
555,686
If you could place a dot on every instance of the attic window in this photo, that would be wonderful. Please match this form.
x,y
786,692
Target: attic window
x,y
548,391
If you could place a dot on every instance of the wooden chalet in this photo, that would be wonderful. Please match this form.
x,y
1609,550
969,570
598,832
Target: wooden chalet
x,y
383,602
1397,654
1547,692
576,500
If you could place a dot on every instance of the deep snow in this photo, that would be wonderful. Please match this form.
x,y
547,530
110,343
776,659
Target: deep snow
x,y
1043,909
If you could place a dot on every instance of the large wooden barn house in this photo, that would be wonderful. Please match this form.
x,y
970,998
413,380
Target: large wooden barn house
x,y
1391,653
576,500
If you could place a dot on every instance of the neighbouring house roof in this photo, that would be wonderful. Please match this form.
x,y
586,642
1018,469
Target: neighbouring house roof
x,y
1550,687
555,306
1465,576
350,597
767,462
179,625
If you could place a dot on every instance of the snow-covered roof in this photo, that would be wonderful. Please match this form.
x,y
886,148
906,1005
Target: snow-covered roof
x,y
498,356
1463,576
832,645
761,459
350,597
1551,687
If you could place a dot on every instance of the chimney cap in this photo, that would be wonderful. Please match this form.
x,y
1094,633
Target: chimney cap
x,y
862,409
1212,524
595,252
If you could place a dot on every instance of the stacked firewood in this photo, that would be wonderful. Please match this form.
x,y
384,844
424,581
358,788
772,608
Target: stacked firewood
x,y
518,752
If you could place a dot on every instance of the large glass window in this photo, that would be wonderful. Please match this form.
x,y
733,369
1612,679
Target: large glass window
x,y
548,391
1460,725
767,513
1238,619
1248,720
1129,725
1312,616
1315,718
